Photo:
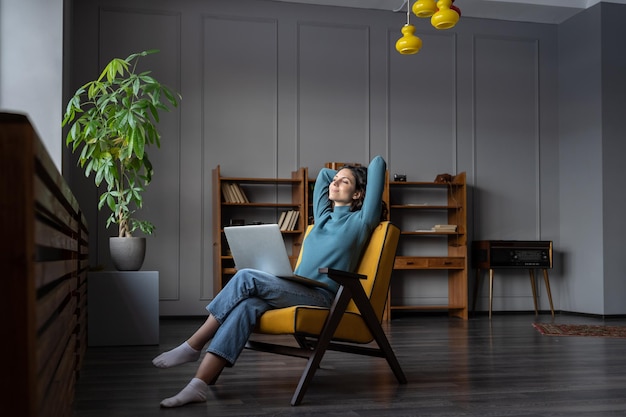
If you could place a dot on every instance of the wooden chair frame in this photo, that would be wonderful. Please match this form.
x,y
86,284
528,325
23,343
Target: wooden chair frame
x,y
313,348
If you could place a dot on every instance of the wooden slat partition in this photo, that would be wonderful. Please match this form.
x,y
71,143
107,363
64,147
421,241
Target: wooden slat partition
x,y
43,277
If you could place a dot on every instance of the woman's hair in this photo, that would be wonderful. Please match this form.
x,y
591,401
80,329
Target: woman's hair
x,y
360,185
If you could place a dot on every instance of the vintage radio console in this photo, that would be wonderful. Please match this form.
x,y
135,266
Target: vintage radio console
x,y
490,254
512,254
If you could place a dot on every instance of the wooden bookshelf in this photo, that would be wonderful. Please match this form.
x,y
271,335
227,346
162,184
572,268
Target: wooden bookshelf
x,y
417,207
263,201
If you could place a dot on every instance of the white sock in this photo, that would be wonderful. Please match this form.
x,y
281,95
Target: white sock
x,y
195,392
177,356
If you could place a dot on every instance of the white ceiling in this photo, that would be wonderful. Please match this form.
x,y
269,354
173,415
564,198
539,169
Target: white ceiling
x,y
539,11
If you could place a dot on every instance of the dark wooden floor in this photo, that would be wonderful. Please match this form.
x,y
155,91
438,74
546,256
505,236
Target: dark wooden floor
x,y
502,367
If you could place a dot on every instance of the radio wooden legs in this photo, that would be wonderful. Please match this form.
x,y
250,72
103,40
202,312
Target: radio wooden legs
x,y
533,286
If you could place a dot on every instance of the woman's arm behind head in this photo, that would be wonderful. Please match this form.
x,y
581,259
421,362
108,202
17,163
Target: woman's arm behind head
x,y
371,182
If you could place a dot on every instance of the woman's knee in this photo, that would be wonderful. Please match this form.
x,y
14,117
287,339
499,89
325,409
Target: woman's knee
x,y
251,278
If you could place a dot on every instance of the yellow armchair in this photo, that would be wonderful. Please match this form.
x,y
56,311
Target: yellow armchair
x,y
352,321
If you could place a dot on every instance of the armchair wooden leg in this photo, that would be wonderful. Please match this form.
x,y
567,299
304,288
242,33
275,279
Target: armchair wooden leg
x,y
367,312
332,321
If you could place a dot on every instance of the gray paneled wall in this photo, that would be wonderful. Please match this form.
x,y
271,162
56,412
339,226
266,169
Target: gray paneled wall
x,y
423,106
333,96
268,87
507,138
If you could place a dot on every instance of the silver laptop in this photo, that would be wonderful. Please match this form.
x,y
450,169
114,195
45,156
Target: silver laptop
x,y
262,247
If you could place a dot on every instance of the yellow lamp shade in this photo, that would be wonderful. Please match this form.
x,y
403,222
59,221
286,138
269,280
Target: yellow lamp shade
x,y
444,18
424,8
408,44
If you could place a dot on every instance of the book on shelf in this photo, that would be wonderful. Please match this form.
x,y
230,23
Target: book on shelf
x,y
284,221
294,220
241,196
444,228
288,220
281,219
233,193
226,192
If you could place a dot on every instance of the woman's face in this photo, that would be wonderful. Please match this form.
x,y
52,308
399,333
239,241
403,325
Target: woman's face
x,y
342,189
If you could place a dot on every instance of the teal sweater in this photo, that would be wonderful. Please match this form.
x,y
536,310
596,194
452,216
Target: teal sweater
x,y
339,236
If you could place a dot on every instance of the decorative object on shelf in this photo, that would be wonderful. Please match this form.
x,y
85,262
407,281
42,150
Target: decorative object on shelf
x,y
113,120
408,44
443,15
443,179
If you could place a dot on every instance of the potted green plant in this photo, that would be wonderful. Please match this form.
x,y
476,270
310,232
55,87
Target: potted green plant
x,y
113,121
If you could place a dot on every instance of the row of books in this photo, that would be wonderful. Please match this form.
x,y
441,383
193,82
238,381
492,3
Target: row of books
x,y
288,220
233,193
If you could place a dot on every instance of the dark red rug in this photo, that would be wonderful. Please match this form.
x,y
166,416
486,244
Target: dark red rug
x,y
548,329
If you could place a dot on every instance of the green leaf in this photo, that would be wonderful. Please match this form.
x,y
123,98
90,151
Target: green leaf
x,y
102,201
170,96
111,202
139,143
154,112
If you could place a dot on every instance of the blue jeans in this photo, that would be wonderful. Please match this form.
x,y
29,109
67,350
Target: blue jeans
x,y
248,295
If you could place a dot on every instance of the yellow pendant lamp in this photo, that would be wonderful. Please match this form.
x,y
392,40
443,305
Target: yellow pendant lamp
x,y
408,44
424,8
445,17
